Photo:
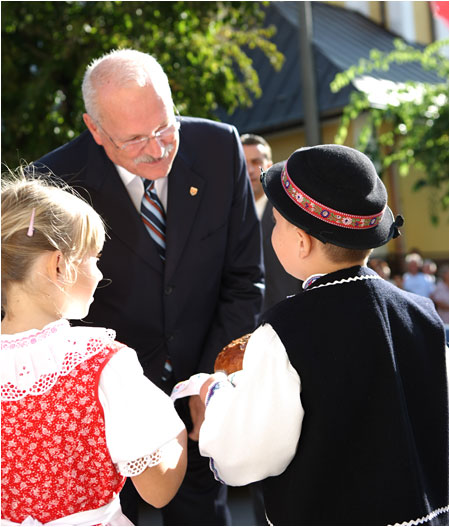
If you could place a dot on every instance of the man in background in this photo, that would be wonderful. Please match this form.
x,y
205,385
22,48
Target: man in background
x,y
279,284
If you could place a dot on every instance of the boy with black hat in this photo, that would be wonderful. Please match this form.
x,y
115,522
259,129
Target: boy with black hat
x,y
341,406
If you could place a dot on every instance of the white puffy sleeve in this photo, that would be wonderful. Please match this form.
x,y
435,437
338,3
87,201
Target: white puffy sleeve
x,y
140,418
252,425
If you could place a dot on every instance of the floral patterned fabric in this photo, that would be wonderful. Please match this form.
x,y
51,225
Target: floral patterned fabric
x,y
55,461
323,212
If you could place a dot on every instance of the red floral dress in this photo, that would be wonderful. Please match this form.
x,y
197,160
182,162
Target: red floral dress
x,y
55,460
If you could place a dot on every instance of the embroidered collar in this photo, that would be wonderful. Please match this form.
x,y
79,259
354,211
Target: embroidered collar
x,y
33,336
343,276
310,280
32,361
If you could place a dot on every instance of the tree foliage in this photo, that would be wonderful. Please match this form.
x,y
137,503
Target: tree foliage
x,y
46,47
411,127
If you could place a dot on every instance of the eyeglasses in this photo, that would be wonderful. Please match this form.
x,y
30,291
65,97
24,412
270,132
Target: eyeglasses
x,y
163,137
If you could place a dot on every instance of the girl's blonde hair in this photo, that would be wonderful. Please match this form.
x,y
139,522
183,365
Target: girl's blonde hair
x,y
62,221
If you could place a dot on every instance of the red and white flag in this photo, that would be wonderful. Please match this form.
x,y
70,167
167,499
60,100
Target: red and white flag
x,y
440,9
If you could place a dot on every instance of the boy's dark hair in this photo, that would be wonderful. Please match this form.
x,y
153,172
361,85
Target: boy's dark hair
x,y
339,255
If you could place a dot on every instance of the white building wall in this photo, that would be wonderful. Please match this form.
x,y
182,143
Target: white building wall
x,y
400,19
360,7
440,28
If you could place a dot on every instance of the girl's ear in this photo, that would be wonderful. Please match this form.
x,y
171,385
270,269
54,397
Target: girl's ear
x,y
56,266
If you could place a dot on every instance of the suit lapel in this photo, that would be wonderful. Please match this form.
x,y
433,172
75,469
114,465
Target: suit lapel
x,y
113,203
186,189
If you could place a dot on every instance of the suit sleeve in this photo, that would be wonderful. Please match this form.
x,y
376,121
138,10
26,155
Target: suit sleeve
x,y
242,284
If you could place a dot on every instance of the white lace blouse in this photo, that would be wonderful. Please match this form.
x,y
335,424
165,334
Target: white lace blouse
x,y
140,420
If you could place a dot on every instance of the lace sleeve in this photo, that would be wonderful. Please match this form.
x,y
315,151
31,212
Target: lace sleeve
x,y
169,452
137,466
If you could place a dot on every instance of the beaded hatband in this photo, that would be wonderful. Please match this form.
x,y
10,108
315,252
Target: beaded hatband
x,y
324,213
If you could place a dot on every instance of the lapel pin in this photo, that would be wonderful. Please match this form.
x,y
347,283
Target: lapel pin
x,y
193,191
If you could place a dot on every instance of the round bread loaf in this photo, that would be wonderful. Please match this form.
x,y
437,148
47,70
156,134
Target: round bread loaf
x,y
230,358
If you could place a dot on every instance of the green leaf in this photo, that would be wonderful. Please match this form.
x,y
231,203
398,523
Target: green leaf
x,y
414,131
47,45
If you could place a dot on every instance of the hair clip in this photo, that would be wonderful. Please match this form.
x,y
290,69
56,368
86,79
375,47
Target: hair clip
x,y
30,231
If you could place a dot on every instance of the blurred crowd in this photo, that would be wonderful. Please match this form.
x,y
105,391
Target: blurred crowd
x,y
421,276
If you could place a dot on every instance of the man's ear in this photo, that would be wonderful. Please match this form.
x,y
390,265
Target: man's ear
x,y
304,242
93,128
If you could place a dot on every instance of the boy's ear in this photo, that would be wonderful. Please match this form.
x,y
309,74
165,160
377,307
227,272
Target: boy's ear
x,y
305,242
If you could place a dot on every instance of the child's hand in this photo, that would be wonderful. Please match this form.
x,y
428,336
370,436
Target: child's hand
x,y
197,409
207,384
197,406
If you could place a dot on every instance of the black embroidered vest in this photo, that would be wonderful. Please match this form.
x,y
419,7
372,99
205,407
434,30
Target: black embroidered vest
x,y
373,449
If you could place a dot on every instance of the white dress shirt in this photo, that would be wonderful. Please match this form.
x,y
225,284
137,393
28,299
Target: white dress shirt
x,y
135,187
260,205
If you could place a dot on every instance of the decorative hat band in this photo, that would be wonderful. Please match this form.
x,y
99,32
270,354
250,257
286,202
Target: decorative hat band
x,y
324,213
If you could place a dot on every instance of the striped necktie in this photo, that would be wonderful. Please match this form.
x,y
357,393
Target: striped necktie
x,y
153,216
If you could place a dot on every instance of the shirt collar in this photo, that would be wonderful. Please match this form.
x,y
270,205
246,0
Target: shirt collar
x,y
260,205
311,279
126,176
135,187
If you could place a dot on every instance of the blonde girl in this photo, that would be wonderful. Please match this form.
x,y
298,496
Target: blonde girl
x,y
78,415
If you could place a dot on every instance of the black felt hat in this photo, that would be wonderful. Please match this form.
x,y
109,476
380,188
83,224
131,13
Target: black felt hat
x,y
334,193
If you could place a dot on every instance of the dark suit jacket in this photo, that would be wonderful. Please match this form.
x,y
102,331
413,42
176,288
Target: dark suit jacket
x,y
209,290
279,283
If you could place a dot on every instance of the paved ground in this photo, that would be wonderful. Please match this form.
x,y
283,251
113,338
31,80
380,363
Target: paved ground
x,y
238,499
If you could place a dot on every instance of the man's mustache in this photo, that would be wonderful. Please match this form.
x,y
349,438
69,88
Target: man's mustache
x,y
147,158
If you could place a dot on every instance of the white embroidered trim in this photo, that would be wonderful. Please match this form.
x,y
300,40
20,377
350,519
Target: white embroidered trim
x,y
347,280
137,466
31,362
404,524
424,519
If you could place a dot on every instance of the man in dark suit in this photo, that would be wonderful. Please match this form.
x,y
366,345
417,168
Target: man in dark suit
x,y
179,300
279,284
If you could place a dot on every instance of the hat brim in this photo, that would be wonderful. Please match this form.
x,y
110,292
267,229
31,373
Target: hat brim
x,y
325,232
